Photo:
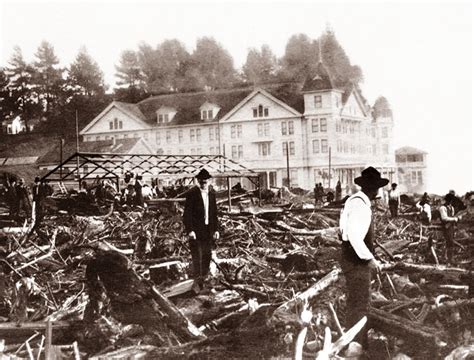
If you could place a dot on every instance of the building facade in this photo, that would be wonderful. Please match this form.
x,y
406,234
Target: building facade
x,y
412,169
324,130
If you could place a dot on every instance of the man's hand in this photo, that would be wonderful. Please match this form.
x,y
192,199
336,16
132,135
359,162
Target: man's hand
x,y
216,235
374,265
192,235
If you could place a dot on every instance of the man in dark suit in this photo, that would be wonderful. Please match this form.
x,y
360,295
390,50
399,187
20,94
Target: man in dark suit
x,y
200,222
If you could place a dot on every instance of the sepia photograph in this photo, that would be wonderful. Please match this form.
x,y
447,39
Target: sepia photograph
x,y
234,179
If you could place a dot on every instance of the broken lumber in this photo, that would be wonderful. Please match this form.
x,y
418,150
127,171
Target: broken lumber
x,y
426,269
284,312
406,329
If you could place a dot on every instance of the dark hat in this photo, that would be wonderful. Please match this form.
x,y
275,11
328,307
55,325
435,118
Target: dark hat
x,y
449,197
203,175
394,184
37,178
370,178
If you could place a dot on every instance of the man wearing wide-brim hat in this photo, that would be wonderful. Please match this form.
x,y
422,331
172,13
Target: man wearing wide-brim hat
x,y
201,224
357,250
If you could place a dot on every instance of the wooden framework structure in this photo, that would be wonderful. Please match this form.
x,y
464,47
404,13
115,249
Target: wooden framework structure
x,y
85,165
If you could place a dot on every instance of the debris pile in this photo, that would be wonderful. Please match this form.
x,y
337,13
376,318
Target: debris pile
x,y
117,285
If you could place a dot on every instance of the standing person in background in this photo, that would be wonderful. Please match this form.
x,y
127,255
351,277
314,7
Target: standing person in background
x,y
12,198
201,224
448,221
338,190
357,251
23,198
138,191
425,209
394,200
39,193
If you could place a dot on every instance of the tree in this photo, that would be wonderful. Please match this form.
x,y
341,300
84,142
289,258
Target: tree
x,y
84,75
7,102
48,77
260,66
129,71
214,63
336,60
20,75
300,58
382,107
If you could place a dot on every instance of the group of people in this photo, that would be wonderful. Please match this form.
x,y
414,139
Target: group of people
x,y
356,234
319,193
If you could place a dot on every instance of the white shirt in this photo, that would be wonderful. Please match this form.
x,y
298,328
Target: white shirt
x,y
205,200
394,195
355,222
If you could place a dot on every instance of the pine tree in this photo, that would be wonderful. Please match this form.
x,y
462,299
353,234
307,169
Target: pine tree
x,y
260,66
84,75
300,58
48,77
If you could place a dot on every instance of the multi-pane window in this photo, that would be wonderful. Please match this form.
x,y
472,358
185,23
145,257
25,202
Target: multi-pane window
x,y
237,151
263,129
158,138
168,136
180,136
291,127
284,129
290,145
324,145
316,146
207,114
315,125
323,125
260,111
192,135
116,124
236,131
264,149
318,101
211,134
163,118
198,135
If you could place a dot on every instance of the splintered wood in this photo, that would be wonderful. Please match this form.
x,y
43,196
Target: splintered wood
x,y
117,285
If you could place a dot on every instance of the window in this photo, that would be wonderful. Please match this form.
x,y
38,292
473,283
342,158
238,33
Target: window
x,y
198,135
180,136
198,150
260,111
160,118
373,132
236,131
339,146
120,124
283,128
210,114
324,146
158,138
385,149
264,149
413,178
290,145
317,102
294,178
234,151
338,126
211,134
166,117
323,126
420,177
315,146
204,115
266,129
314,125
291,128
384,132
344,128
168,137
192,135
115,123
111,125
237,151
97,138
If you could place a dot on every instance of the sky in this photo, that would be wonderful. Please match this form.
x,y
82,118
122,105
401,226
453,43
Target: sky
x,y
417,55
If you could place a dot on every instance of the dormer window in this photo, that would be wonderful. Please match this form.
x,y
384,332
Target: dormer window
x,y
260,111
318,102
163,118
207,114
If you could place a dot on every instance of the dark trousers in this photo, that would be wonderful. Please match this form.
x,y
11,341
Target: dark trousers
x,y
201,254
393,206
448,233
358,296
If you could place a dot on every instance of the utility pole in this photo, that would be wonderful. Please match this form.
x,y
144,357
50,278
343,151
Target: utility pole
x,y
77,151
288,165
329,185
61,143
